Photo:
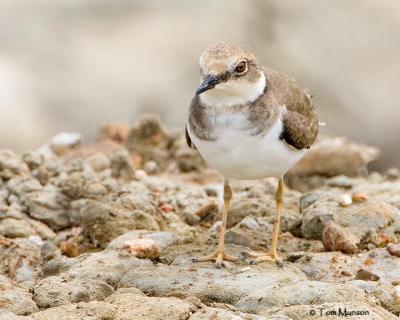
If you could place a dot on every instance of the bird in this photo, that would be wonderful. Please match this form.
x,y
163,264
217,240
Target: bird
x,y
248,122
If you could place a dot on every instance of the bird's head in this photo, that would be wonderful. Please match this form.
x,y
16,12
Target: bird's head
x,y
230,75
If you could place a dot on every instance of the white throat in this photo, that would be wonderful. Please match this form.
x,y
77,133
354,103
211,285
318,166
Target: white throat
x,y
236,92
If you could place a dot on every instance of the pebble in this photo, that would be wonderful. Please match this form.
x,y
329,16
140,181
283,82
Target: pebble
x,y
340,182
249,223
345,200
359,197
141,248
337,238
394,249
396,294
151,167
393,174
364,274
140,174
308,199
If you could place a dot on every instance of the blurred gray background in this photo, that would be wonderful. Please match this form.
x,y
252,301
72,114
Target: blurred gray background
x,y
73,65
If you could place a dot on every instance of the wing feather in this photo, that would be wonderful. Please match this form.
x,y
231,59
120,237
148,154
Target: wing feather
x,y
300,122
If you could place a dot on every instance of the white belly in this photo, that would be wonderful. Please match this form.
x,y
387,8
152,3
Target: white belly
x,y
239,155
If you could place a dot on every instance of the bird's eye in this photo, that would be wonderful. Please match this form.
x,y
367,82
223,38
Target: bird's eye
x,y
241,67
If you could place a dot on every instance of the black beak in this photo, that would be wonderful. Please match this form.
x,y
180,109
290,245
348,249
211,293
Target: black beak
x,y
209,82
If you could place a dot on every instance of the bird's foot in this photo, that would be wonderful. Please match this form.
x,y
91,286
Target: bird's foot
x,y
221,258
261,257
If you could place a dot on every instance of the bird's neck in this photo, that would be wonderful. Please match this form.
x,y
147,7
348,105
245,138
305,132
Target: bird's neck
x,y
234,92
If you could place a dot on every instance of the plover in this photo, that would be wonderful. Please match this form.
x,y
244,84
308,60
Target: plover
x,y
248,122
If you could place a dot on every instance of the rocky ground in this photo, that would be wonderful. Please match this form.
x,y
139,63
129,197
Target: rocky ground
x,y
108,231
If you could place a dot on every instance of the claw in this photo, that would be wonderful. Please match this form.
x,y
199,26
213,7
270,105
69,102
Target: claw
x,y
261,257
221,258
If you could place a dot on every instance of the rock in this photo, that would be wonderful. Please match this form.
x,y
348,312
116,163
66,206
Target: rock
x,y
117,132
337,238
69,249
122,165
307,200
104,222
54,291
207,283
355,310
394,249
98,161
151,167
63,142
384,293
52,261
359,197
108,266
380,189
385,266
23,227
15,228
224,314
21,259
393,174
327,266
249,223
257,207
363,274
345,200
141,248
50,207
132,304
11,165
301,293
93,310
340,182
374,215
18,301
333,156
162,239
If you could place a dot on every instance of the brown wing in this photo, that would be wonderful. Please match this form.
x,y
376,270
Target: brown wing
x,y
188,140
300,123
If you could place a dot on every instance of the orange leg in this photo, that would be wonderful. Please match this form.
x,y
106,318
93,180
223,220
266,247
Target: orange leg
x,y
272,255
220,256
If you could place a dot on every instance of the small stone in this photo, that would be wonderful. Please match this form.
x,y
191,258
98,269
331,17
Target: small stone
x,y
396,294
359,197
347,273
369,261
233,237
141,248
206,210
396,282
393,174
366,275
151,167
98,161
340,182
345,200
140,174
249,223
63,142
308,199
69,249
117,132
216,228
337,238
192,268
394,249
166,207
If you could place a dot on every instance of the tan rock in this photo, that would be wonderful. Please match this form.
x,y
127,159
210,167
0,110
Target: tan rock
x,y
337,238
141,248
